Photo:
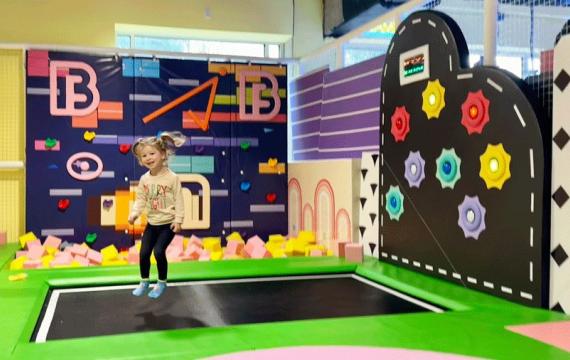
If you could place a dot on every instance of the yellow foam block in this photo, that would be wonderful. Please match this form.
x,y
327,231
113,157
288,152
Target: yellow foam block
x,y
109,253
212,244
275,246
276,239
299,247
123,255
18,277
289,247
51,250
27,237
185,242
152,259
46,260
330,252
216,255
309,248
84,245
277,252
235,236
18,263
307,236
75,263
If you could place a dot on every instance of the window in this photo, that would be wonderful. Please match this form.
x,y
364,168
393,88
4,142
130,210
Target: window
x,y
198,46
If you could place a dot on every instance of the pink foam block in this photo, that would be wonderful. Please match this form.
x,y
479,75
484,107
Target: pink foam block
x,y
33,264
64,259
196,241
64,255
52,241
94,257
34,243
36,252
233,248
177,241
316,253
173,253
340,246
81,259
205,256
3,238
192,252
133,257
77,249
353,252
260,252
40,145
21,253
253,243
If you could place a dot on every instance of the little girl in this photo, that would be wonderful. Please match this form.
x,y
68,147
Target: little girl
x,y
159,193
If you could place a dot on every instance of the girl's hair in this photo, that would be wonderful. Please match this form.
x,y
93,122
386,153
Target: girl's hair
x,y
166,141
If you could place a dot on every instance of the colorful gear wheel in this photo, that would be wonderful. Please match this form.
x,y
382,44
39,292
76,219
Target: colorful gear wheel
x,y
471,217
448,168
394,203
400,123
433,99
475,112
495,166
415,169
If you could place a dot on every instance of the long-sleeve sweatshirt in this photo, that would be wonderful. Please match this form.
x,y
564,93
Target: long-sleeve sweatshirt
x,y
161,196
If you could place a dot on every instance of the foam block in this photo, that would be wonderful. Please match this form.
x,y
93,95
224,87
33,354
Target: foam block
x,y
94,257
21,253
196,241
81,260
234,247
316,253
77,249
253,243
177,241
204,256
276,239
307,237
260,252
133,257
18,263
33,243
36,252
192,252
354,252
212,244
32,264
235,236
109,253
24,239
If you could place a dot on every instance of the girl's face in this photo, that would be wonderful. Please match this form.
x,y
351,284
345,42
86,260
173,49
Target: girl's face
x,y
151,157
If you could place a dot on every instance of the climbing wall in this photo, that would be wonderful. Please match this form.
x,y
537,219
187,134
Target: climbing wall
x,y
462,173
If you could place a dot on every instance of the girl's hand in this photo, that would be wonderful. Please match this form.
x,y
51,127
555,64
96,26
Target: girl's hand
x,y
132,219
175,227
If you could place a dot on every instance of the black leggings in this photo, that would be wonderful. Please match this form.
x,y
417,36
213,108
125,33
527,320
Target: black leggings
x,y
156,237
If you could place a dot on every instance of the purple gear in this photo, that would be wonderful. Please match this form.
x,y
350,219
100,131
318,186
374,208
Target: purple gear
x,y
471,217
414,169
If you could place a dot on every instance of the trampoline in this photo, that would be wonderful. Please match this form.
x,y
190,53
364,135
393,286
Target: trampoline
x,y
109,310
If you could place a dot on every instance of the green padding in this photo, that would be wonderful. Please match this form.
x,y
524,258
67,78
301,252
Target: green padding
x,y
7,253
476,327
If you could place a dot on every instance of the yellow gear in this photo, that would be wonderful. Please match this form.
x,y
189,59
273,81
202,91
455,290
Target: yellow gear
x,y
433,99
495,166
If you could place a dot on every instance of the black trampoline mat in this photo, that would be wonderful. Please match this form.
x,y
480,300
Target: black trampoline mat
x,y
83,312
